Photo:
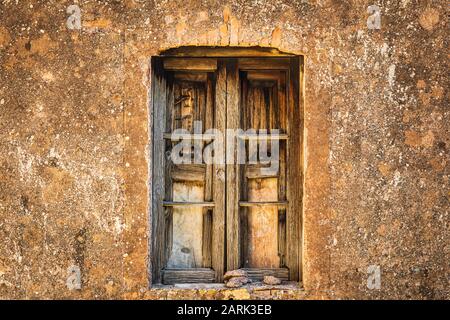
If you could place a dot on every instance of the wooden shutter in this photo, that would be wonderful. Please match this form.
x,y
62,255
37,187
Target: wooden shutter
x,y
208,219
263,208
188,208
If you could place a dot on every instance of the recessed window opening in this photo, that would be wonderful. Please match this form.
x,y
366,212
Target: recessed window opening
x,y
226,164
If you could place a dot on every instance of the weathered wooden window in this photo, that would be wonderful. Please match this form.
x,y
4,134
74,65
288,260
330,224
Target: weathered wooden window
x,y
208,218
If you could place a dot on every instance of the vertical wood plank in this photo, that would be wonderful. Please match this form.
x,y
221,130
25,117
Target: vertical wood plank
x,y
158,161
281,107
275,109
187,249
187,105
177,124
282,96
294,176
244,186
218,235
233,169
263,225
300,218
168,211
208,118
266,92
261,108
282,236
207,237
252,123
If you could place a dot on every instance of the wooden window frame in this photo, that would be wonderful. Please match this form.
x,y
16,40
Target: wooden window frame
x,y
225,228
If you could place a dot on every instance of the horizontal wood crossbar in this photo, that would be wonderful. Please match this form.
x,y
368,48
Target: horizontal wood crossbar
x,y
277,136
177,137
257,274
258,172
195,275
263,76
191,76
187,204
249,64
263,203
211,136
188,172
194,64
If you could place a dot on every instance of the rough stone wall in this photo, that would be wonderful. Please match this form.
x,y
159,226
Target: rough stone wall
x,y
74,132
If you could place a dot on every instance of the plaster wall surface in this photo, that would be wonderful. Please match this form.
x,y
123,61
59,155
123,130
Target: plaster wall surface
x,y
74,133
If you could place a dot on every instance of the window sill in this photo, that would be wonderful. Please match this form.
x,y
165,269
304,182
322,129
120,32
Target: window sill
x,y
255,290
257,285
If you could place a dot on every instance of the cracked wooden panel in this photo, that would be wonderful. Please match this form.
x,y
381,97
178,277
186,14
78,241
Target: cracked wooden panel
x,y
262,104
187,227
263,225
190,100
